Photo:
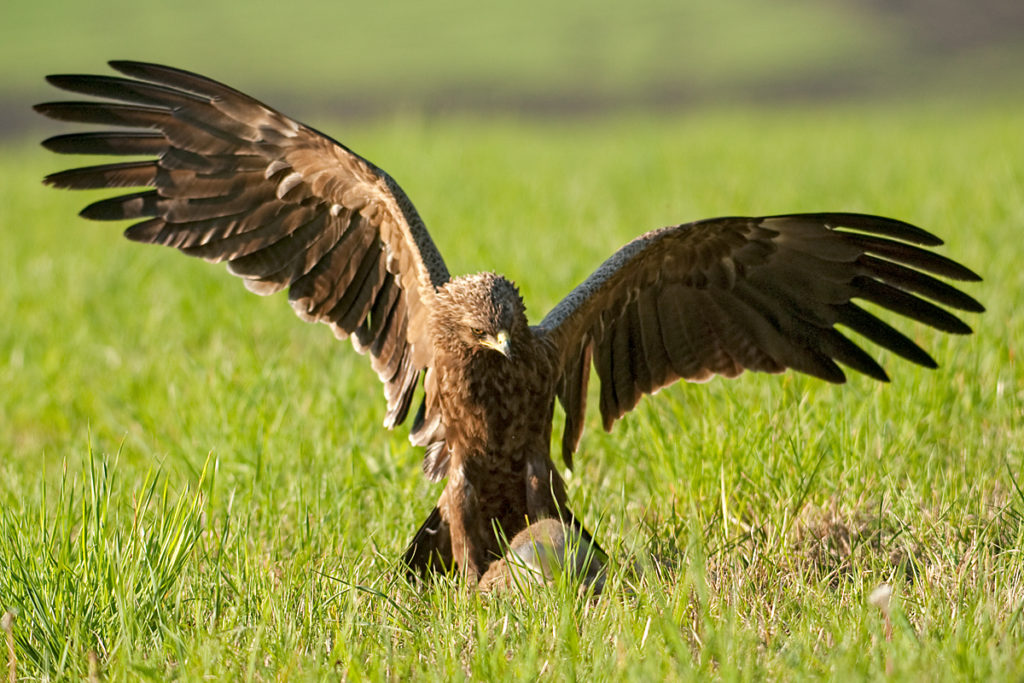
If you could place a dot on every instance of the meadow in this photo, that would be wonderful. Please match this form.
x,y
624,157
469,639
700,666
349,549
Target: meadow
x,y
354,53
195,484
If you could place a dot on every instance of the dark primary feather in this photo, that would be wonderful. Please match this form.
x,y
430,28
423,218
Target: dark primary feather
x,y
725,295
286,207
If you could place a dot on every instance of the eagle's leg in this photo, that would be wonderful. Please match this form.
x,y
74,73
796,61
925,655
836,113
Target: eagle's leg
x,y
460,507
545,491
552,542
456,533
459,533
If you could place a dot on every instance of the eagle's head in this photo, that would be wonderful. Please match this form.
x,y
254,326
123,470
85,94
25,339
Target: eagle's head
x,y
480,313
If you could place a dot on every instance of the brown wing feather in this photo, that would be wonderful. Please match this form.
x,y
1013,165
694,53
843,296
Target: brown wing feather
x,y
285,206
725,295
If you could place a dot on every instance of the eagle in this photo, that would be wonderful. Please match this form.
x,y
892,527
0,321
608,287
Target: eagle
x,y
226,178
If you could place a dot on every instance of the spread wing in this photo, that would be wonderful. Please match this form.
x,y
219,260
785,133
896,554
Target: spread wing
x,y
725,295
285,206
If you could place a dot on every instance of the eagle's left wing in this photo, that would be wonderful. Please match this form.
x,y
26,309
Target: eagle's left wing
x,y
725,295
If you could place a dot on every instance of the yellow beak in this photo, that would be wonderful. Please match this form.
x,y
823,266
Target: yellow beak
x,y
499,343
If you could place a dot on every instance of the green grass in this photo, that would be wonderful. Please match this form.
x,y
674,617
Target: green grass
x,y
375,48
357,58
195,484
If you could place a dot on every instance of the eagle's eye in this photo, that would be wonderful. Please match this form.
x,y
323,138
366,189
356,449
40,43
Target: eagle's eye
x,y
478,333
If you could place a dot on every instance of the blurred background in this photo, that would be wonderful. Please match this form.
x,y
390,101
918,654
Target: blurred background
x,y
368,59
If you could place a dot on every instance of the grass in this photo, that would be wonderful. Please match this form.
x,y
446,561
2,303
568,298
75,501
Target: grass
x,y
94,572
195,484
362,58
567,49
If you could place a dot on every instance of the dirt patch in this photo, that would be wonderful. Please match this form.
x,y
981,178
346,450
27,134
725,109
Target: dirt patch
x,y
944,26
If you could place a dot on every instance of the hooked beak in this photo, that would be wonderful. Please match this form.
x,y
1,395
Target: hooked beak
x,y
499,343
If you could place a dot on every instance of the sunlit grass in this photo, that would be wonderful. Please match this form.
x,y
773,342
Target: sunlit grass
x,y
760,513
89,568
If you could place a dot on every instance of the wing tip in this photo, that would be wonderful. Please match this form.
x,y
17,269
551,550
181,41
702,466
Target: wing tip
x,y
53,143
92,212
960,327
122,64
919,357
882,225
970,276
65,81
136,69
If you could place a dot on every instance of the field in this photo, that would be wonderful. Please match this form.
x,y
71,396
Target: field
x,y
195,484
362,59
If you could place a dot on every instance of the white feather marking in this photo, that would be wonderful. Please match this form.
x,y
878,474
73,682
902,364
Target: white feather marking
x,y
290,182
275,167
336,209
390,261
291,128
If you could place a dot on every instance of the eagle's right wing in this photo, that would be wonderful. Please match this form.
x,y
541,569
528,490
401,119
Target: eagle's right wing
x,y
287,207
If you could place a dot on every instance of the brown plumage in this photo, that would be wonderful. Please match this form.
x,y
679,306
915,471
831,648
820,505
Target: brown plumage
x,y
231,180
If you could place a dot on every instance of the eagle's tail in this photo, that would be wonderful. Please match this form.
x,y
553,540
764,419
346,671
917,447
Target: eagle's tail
x,y
431,547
